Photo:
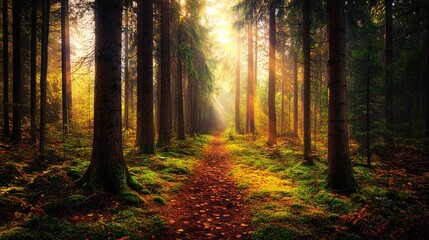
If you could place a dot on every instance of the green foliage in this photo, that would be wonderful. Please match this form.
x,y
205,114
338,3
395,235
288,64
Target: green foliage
x,y
160,200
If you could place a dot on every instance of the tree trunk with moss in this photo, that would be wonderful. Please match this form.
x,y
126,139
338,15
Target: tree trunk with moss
x,y
107,170
340,174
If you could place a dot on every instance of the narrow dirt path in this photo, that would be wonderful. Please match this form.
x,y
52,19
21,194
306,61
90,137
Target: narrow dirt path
x,y
210,206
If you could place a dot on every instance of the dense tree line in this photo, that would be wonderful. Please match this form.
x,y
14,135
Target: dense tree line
x,y
380,62
164,66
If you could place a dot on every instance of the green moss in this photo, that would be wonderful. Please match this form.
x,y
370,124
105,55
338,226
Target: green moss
x,y
175,188
255,196
144,191
177,168
243,186
160,200
271,206
168,178
281,216
276,168
76,199
276,232
18,233
155,226
263,216
74,173
133,184
131,199
281,194
124,215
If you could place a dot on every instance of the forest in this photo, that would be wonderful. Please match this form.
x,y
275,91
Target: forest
x,y
214,119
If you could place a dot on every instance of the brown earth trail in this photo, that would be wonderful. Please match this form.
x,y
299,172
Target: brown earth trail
x,y
210,205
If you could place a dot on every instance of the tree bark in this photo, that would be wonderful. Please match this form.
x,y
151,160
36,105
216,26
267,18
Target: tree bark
x,y
272,125
388,76
250,83
145,118
33,73
18,83
180,115
126,66
283,81
165,110
237,86
65,65
340,172
255,75
307,97
427,69
6,128
295,94
44,72
107,170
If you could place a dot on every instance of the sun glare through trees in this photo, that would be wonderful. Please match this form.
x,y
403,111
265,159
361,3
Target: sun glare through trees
x,y
214,119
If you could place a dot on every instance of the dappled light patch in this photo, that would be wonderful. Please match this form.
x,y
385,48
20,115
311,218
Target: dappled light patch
x,y
289,199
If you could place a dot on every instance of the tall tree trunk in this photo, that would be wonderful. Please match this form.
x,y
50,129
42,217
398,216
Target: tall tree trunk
x,y
18,83
107,170
272,125
255,76
6,128
340,172
145,121
180,115
283,82
195,110
65,65
190,106
368,126
126,65
250,82
44,72
165,110
307,97
295,94
33,74
427,69
388,74
237,86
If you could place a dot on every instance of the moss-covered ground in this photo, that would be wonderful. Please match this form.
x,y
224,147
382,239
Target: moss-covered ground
x,y
39,197
289,200
286,199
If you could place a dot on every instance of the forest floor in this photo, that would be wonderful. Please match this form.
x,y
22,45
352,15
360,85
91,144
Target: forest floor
x,y
210,205
220,186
